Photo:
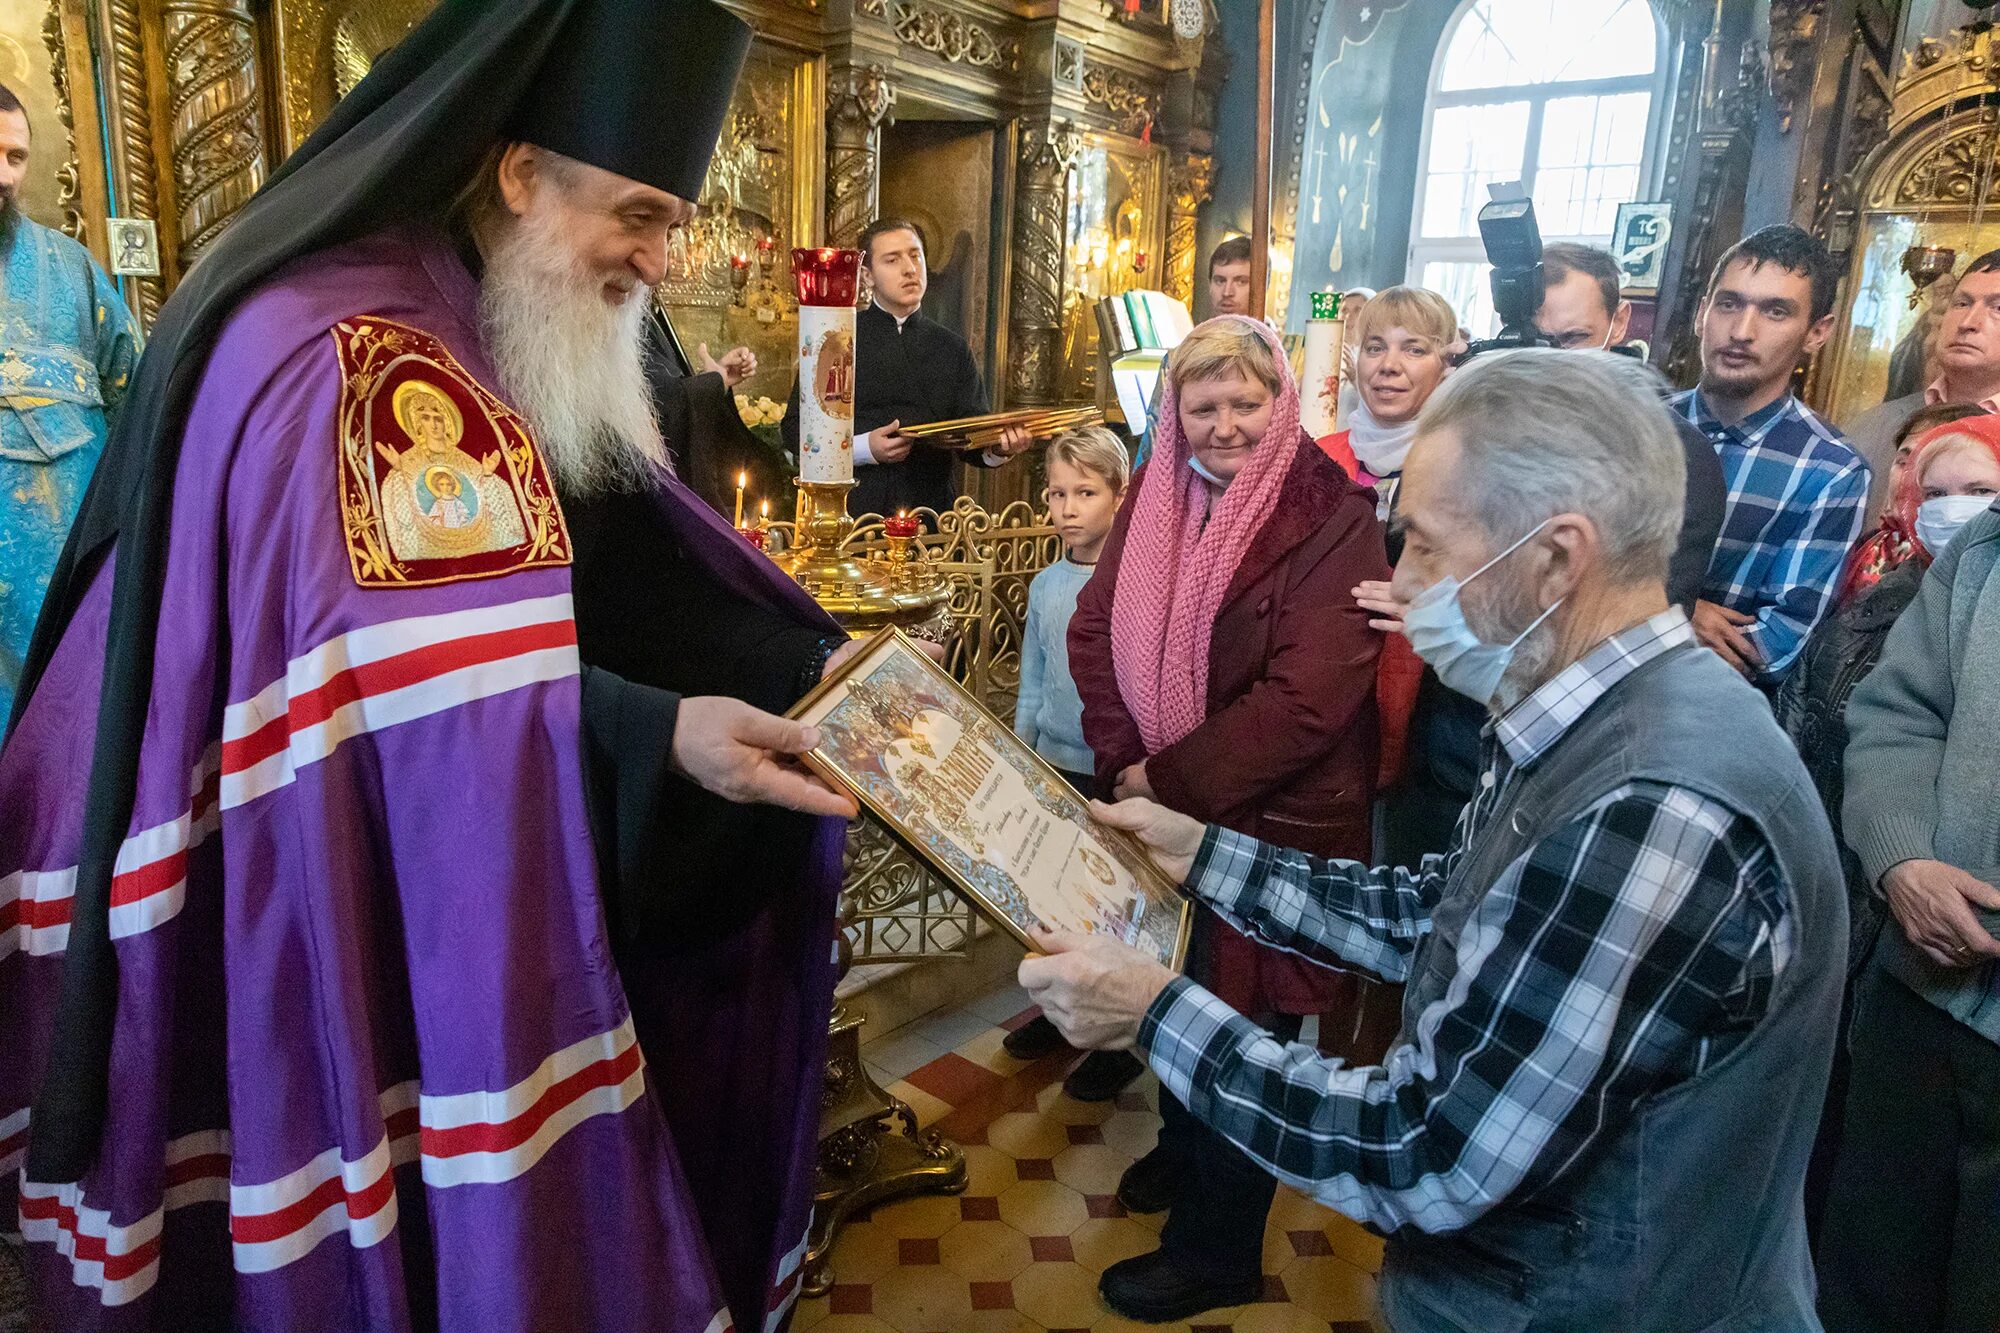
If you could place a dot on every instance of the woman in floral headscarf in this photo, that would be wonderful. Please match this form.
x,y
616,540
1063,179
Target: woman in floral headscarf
x,y
1227,672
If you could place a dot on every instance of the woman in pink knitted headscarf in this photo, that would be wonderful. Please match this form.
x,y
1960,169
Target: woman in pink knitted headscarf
x,y
1227,672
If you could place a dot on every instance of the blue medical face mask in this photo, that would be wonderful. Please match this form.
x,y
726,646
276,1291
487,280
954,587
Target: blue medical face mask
x,y
1436,627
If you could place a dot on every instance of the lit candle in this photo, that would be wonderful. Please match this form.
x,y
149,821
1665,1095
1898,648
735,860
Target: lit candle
x,y
902,525
763,513
741,478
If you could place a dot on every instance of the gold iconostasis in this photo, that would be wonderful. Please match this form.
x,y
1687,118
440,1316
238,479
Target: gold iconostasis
x,y
173,112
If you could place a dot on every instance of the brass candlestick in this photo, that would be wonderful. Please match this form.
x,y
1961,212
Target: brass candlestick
x,y
861,592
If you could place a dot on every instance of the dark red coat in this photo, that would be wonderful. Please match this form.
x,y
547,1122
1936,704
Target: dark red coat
x,y
1288,751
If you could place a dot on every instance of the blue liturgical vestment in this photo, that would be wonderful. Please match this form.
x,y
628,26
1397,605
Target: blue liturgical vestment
x,y
67,350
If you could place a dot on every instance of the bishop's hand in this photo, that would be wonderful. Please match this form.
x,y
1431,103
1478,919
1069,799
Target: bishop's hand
x,y
744,754
737,364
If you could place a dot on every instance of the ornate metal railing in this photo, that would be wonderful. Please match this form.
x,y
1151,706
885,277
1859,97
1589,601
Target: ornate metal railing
x,y
892,909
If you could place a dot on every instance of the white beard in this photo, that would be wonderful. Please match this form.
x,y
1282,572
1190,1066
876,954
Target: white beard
x,y
573,366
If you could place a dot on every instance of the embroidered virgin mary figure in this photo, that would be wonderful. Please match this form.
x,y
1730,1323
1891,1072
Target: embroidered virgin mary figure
x,y
439,502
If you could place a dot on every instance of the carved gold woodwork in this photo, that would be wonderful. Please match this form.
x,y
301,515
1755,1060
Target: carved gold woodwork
x,y
1794,30
66,213
1132,103
858,103
215,131
952,37
1189,180
135,168
1930,181
1047,151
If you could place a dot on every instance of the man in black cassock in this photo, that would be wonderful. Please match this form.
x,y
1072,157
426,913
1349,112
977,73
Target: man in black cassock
x,y
909,371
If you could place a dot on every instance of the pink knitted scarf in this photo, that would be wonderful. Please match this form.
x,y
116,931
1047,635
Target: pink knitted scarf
x,y
1175,568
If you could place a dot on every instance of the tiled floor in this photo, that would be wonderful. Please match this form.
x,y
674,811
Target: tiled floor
x,y
1021,1250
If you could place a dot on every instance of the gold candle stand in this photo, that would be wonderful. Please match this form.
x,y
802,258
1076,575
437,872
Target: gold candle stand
x,y
861,592
870,1147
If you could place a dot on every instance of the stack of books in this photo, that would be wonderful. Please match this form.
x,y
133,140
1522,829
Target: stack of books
x,y
1141,321
1135,331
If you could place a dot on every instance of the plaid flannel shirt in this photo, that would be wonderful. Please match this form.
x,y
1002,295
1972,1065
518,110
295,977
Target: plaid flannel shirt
x,y
1617,956
1797,498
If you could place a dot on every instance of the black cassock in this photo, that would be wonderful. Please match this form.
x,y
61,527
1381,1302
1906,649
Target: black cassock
x,y
916,375
653,625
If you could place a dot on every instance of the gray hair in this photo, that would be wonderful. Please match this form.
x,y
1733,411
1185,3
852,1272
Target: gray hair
x,y
1544,432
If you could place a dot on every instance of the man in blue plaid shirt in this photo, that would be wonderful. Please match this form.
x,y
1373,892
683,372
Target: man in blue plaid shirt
x,y
1622,981
1797,492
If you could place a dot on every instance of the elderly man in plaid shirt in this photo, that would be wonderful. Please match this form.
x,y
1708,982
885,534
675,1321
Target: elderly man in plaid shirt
x,y
1623,979
1797,492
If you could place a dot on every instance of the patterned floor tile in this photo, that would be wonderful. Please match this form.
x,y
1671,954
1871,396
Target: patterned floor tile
x,y
853,1323
927,1299
928,1215
1330,1288
1025,1134
897,1053
1001,1003
988,1170
1104,1241
1058,1295
929,1109
1021,1250
953,1028
1043,1208
1091,1168
986,1051
985,1251
953,1079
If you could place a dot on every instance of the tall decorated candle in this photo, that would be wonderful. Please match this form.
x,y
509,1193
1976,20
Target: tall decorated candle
x,y
825,280
1319,378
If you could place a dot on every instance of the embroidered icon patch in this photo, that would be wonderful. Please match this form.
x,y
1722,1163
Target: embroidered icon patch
x,y
439,480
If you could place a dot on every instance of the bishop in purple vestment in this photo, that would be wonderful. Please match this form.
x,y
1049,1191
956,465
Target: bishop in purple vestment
x,y
387,937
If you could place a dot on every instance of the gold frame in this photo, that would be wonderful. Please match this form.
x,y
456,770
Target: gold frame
x,y
1139,861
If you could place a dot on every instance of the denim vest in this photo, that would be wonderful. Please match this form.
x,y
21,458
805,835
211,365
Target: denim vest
x,y
1689,1217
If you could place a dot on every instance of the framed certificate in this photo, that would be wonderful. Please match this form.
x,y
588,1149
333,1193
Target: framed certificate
x,y
981,808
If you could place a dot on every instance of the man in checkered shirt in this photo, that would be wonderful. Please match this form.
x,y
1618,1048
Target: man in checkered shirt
x,y
1797,492
1621,982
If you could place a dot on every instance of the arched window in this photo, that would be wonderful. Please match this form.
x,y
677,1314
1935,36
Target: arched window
x,y
1562,95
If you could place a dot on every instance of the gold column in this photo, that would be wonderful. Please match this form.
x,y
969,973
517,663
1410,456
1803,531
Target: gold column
x,y
1189,179
858,101
216,124
129,128
1048,149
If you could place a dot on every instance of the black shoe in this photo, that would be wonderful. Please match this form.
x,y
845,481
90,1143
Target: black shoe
x,y
1148,1184
1158,1289
1034,1039
1102,1075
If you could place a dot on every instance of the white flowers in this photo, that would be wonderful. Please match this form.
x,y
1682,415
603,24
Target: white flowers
x,y
759,411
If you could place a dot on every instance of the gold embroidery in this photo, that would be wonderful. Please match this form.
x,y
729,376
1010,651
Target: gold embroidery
x,y
440,480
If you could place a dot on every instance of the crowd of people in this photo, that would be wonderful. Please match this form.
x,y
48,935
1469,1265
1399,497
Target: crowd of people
x,y
1593,790
1678,786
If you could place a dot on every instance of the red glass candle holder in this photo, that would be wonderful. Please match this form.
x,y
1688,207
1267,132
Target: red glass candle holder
x,y
902,525
826,276
755,536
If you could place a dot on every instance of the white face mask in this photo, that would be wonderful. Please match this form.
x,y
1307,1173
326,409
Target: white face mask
x,y
1939,520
